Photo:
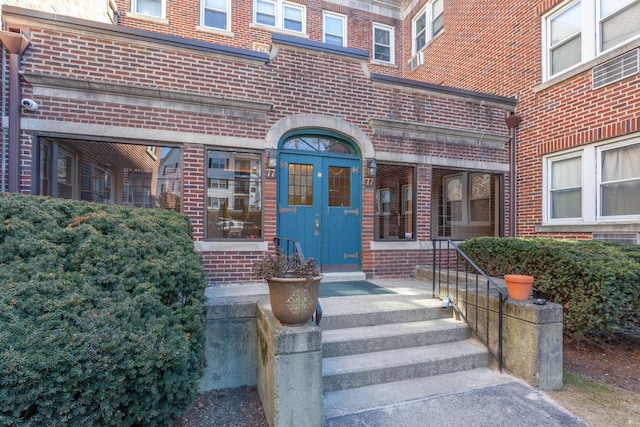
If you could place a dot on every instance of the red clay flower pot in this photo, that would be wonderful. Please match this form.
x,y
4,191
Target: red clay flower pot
x,y
519,286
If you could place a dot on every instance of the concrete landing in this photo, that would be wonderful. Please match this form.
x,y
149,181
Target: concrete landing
x,y
508,404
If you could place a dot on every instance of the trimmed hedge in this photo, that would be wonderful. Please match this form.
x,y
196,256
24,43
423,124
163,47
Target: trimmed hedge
x,y
101,314
597,283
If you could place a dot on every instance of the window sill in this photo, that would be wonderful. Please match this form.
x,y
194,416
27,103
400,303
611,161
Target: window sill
x,y
587,65
396,245
278,30
384,63
617,227
216,31
232,245
148,18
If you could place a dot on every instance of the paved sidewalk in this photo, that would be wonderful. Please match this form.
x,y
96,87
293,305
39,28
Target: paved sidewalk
x,y
513,404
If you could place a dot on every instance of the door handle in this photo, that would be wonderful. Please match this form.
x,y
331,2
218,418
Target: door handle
x,y
317,223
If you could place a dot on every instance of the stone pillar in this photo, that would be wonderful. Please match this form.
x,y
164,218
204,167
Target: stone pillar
x,y
532,334
533,343
289,371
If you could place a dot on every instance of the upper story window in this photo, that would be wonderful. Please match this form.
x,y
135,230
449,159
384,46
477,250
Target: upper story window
x,y
383,42
215,14
582,30
280,14
149,7
334,28
427,24
576,193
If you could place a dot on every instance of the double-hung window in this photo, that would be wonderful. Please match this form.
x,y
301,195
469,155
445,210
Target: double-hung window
x,y
280,14
576,193
334,28
427,24
149,7
619,181
619,21
565,192
579,31
383,42
216,14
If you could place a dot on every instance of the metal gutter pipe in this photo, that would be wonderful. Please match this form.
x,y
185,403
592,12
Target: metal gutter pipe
x,y
15,44
513,121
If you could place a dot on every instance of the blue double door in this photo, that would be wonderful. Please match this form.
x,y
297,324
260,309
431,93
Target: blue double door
x,y
319,205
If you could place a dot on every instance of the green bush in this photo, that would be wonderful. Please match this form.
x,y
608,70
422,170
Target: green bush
x,y
598,284
101,314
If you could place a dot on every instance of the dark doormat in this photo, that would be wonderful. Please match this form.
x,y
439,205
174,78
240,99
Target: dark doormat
x,y
350,288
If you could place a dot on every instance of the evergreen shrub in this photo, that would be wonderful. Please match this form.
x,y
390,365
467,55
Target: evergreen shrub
x,y
101,314
597,283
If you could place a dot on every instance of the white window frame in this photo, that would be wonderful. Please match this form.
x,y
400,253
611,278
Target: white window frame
x,y
586,187
590,25
279,18
391,31
134,9
426,14
337,16
591,196
227,12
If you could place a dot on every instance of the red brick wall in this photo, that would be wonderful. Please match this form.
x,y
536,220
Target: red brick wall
x,y
501,54
297,81
184,17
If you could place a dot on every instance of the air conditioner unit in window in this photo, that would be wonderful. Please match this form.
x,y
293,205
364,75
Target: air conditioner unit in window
x,y
416,60
625,65
628,238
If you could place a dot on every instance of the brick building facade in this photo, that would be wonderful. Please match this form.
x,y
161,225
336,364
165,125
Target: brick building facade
x,y
313,130
573,67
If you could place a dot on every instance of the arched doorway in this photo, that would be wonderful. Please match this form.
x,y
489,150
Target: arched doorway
x,y
320,197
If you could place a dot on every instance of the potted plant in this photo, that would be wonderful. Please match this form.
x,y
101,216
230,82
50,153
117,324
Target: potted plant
x,y
293,286
518,286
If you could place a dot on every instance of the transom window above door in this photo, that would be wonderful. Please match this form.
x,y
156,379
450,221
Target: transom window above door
x,y
317,143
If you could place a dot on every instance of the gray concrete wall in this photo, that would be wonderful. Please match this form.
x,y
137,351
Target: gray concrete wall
x,y
231,346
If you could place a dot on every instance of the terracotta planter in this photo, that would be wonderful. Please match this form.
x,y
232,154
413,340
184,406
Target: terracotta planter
x,y
518,286
293,301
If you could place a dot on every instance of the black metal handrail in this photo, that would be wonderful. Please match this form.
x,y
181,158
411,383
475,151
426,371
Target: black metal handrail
x,y
453,264
289,248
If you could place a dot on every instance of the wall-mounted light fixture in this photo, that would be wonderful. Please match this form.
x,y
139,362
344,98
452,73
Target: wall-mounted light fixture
x,y
372,166
272,158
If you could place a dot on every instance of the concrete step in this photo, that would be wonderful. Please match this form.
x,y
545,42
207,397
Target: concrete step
x,y
351,312
356,400
367,339
359,370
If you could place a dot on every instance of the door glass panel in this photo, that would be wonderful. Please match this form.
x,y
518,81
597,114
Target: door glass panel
x,y
300,185
339,186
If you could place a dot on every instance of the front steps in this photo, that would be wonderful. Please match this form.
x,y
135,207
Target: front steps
x,y
381,350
